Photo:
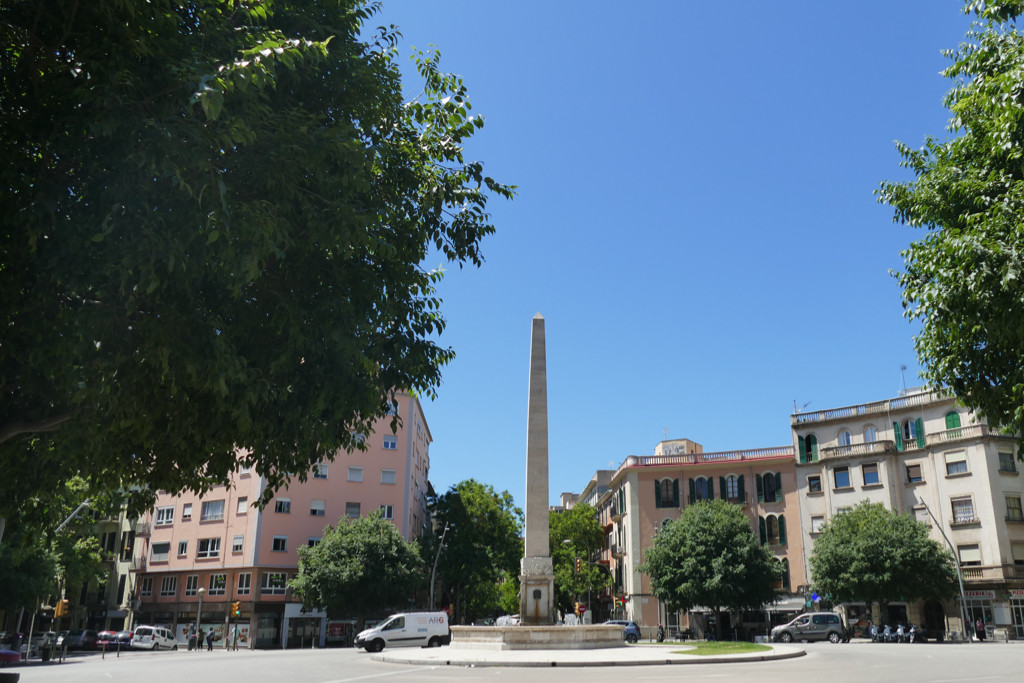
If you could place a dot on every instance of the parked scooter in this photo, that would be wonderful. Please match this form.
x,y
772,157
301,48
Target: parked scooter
x,y
887,634
901,636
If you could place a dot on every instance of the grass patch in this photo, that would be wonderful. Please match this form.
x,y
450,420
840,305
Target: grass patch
x,y
719,647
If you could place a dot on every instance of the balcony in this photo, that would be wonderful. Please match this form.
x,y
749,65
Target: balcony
x,y
737,499
866,409
858,449
968,433
993,573
708,458
617,552
141,528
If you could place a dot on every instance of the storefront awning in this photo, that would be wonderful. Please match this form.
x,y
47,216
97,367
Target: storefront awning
x,y
791,603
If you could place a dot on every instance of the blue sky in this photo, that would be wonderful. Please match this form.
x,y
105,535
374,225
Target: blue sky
x,y
695,219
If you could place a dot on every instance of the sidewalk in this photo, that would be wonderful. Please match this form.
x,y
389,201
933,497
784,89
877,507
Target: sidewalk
x,y
631,655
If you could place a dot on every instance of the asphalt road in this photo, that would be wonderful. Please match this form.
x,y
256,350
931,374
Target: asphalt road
x,y
824,663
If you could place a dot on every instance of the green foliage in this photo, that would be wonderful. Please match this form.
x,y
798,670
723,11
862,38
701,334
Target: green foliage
x,y
872,554
482,548
508,594
579,526
28,575
964,281
360,568
211,228
709,557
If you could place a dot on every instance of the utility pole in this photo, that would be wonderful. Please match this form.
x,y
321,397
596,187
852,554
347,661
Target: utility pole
x,y
433,570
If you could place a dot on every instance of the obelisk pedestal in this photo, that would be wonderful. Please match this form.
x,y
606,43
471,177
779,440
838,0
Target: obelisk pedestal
x,y
537,587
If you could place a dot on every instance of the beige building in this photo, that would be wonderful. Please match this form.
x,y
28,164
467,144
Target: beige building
x,y
647,491
926,455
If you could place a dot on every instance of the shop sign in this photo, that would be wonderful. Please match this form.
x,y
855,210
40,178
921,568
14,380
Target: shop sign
x,y
1016,592
988,595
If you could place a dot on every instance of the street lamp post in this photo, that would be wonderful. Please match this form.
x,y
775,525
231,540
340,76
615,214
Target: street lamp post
x,y
433,571
199,614
959,573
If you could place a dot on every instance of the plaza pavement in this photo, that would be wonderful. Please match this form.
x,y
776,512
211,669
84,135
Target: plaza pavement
x,y
630,655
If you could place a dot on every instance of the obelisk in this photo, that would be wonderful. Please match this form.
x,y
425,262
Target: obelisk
x,y
536,595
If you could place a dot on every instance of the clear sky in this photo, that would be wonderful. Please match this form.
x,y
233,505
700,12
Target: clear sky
x,y
695,219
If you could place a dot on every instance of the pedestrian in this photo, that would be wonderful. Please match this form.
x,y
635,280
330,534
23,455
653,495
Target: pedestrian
x,y
979,630
191,636
209,640
199,638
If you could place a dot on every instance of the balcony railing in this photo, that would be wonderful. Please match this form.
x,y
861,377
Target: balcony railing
x,y
141,528
708,458
999,572
865,409
857,449
957,434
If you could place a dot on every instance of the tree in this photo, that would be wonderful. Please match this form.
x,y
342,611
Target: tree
x,y
212,226
578,525
360,567
709,557
483,546
873,555
964,281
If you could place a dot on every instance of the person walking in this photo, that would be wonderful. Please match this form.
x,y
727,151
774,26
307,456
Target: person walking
x,y
209,640
191,636
979,630
199,638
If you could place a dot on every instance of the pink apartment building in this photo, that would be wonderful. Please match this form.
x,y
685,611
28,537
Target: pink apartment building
x,y
196,555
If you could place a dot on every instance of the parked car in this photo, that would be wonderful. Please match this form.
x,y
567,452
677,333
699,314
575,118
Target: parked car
x,y
105,640
42,641
630,631
123,639
80,639
812,626
60,637
9,657
425,629
154,638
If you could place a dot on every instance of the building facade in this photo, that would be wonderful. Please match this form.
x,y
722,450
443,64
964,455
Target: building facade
x,y
925,455
197,555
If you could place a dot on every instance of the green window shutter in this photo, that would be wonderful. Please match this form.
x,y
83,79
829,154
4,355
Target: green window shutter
x,y
899,435
739,488
785,574
723,488
812,446
675,493
953,420
693,491
919,423
778,486
782,529
801,446
657,494
764,530
760,488
711,488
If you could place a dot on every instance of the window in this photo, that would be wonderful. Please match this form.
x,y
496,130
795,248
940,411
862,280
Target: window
x,y
387,511
807,448
914,474
213,510
390,443
773,530
769,487
244,468
236,544
208,547
355,473
666,493
393,410
313,541
387,476
844,438
164,516
283,505
280,544
218,584
952,420
956,463
273,583
320,471
909,431
243,506
186,512
702,488
963,510
870,434
1014,513
909,434
1006,462
817,521
870,473
182,548
318,508
146,589
732,489
842,477
970,555
191,585
160,552
244,584
169,586
814,484
352,510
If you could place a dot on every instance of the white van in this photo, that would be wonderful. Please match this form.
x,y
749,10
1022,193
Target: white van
x,y
153,638
425,629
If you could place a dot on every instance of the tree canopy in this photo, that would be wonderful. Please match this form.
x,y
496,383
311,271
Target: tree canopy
x,y
482,548
872,554
360,567
212,223
964,280
578,525
709,557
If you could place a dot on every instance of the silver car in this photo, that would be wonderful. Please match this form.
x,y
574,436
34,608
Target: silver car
x,y
812,626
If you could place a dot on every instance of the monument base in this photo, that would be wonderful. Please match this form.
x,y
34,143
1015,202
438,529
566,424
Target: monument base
x,y
537,592
537,637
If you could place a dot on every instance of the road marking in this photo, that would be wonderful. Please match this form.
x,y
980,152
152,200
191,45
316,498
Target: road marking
x,y
381,675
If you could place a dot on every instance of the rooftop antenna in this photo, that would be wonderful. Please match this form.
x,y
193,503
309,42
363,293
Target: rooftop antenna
x,y
665,429
903,380
800,409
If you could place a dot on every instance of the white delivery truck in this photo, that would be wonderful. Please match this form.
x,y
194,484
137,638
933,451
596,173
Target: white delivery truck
x,y
425,629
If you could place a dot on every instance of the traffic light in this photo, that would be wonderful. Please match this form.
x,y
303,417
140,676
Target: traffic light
x,y
236,609
62,608
579,564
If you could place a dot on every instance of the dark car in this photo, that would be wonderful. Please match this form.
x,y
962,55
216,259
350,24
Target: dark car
x,y
123,639
106,640
630,631
80,639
